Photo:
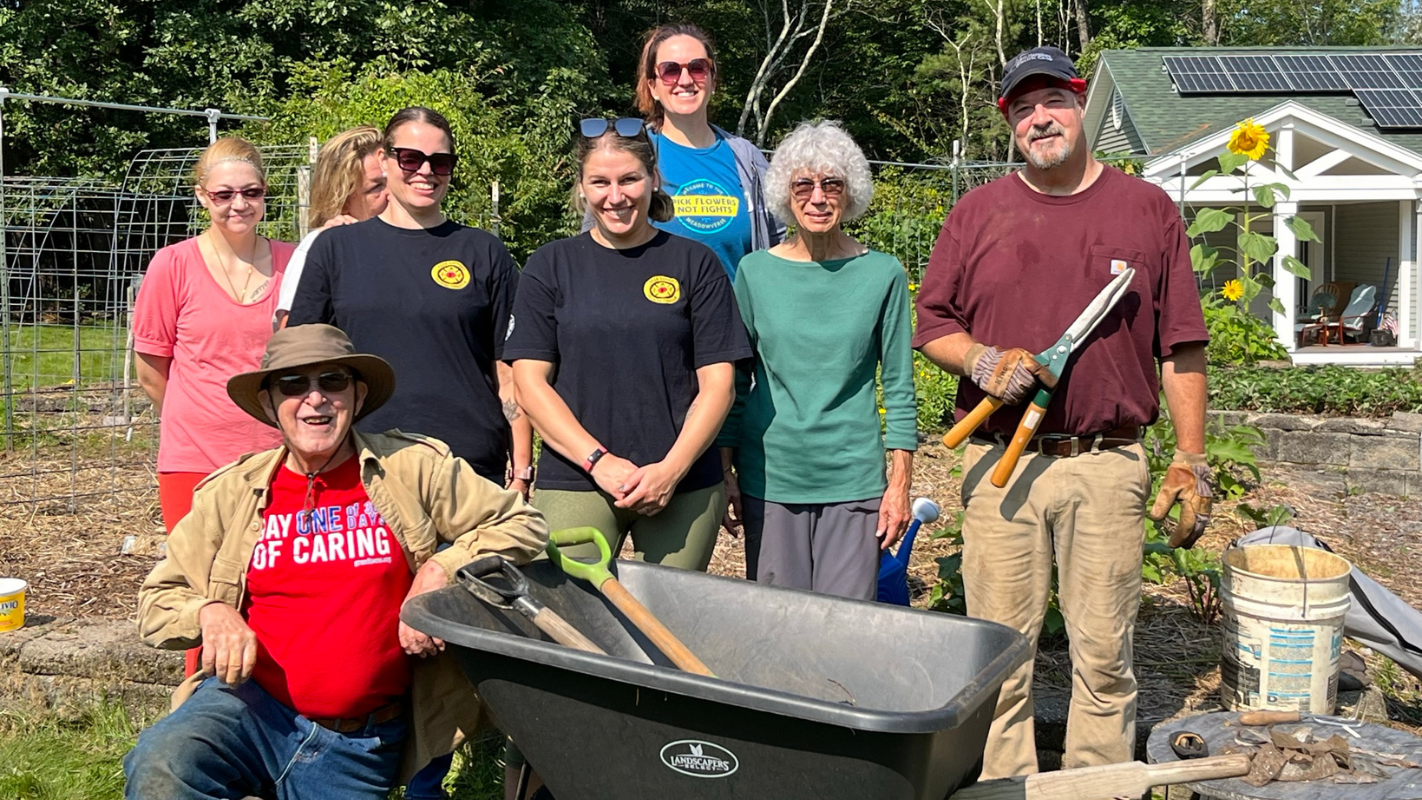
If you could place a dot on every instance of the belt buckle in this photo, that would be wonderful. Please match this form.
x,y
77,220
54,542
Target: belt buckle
x,y
1059,437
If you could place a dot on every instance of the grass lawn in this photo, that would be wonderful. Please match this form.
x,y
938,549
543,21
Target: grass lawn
x,y
52,760
43,355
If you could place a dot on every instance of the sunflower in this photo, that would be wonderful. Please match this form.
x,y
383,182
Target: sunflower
x,y
1233,290
1249,140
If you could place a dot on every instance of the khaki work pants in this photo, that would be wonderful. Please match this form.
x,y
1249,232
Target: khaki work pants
x,y
1089,512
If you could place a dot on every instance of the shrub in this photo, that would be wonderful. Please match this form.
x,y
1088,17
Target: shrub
x,y
1330,390
1238,337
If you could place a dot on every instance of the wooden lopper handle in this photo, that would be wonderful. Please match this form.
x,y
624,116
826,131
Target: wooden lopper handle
x,y
1131,779
970,423
563,633
1252,718
1025,431
664,639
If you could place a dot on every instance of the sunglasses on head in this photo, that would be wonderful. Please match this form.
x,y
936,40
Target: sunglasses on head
x,y
226,195
626,127
804,188
697,68
410,160
300,385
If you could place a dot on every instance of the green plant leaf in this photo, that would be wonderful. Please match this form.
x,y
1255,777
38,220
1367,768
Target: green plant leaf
x,y
1264,195
1204,258
1282,189
1286,172
1297,268
1208,174
1302,230
1209,220
1257,246
1229,162
1276,306
1251,288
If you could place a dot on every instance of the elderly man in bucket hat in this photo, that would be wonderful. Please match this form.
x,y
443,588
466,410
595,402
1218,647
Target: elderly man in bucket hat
x,y
290,572
1015,263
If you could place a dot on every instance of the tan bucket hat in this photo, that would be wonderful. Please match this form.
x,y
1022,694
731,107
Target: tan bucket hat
x,y
306,345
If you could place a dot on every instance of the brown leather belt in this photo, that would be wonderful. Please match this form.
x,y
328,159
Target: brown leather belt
x,y
1064,446
379,716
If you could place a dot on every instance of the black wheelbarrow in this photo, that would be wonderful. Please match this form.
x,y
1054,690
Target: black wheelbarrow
x,y
817,697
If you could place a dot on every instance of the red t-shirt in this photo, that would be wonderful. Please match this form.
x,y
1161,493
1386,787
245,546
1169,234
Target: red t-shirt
x,y
1014,268
323,597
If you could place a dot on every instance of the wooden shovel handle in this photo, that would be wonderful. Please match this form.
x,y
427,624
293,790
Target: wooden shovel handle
x,y
564,633
1025,431
970,423
1131,779
1252,718
664,639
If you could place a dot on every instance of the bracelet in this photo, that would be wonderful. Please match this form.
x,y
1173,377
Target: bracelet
x,y
592,459
525,475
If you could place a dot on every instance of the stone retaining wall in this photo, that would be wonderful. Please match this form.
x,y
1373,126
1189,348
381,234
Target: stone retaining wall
x,y
1342,453
65,666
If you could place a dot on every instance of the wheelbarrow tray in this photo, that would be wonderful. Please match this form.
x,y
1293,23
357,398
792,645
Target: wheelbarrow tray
x,y
817,697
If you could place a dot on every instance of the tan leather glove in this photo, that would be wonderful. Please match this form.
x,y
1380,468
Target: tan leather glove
x,y
1008,375
1187,482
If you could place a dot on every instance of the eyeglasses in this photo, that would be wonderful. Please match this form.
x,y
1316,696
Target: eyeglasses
x,y
410,160
226,195
804,188
697,68
626,127
300,385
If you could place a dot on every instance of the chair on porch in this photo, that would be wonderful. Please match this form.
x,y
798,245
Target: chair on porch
x,y
1356,320
1324,307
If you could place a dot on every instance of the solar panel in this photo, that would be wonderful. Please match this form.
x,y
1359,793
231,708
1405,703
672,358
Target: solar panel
x,y
1254,74
1311,74
1366,72
1198,74
1408,67
1391,108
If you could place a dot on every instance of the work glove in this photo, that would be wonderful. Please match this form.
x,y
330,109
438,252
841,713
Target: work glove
x,y
1187,482
1008,375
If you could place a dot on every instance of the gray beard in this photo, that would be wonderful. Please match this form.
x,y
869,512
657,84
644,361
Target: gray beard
x,y
1051,161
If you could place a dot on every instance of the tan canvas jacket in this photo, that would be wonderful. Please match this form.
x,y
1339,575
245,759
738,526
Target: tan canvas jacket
x,y
427,497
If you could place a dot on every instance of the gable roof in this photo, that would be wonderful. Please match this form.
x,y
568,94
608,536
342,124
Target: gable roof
x,y
1165,121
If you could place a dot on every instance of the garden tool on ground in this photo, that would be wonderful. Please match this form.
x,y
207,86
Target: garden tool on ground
x,y
600,577
1264,718
893,567
1132,779
1054,358
496,581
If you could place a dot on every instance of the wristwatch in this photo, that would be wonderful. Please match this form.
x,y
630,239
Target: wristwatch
x,y
525,475
592,459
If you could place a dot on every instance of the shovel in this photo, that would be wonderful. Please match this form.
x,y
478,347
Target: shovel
x,y
1132,779
600,577
512,591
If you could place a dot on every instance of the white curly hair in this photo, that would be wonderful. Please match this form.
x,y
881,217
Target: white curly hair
x,y
825,149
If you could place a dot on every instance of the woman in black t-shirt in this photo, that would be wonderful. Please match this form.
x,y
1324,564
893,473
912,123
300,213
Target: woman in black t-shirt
x,y
433,298
623,342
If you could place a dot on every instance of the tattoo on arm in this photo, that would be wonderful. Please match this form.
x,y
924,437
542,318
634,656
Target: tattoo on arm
x,y
511,411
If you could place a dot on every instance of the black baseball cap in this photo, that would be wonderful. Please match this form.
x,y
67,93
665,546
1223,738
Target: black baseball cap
x,y
1048,62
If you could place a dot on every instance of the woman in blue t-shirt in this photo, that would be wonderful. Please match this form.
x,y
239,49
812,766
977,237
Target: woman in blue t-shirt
x,y
714,178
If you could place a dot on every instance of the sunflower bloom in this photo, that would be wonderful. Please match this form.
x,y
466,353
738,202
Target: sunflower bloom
x,y
1249,140
1233,291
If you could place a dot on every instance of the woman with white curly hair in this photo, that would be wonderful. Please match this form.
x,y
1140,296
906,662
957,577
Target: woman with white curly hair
x,y
802,451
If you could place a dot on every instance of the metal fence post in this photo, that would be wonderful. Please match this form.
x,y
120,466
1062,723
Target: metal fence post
x,y
213,115
957,153
8,382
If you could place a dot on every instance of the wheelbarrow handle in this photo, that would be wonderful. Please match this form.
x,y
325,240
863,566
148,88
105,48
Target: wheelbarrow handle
x,y
965,427
1031,419
1131,779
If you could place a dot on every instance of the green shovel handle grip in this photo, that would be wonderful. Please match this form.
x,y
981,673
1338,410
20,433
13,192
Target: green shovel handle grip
x,y
595,572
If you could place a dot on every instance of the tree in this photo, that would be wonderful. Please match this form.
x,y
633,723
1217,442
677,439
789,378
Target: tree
x,y
808,21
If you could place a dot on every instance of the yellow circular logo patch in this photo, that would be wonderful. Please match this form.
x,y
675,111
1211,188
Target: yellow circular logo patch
x,y
450,274
661,289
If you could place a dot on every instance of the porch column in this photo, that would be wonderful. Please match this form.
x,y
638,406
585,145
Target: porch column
x,y
1406,310
1285,288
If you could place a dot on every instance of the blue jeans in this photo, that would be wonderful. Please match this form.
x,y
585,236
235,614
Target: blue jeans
x,y
230,741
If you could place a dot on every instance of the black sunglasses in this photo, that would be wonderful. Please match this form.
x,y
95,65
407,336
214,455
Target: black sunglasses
x,y
226,195
300,385
410,160
626,127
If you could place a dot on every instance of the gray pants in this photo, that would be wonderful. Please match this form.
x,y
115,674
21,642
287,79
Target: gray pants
x,y
824,547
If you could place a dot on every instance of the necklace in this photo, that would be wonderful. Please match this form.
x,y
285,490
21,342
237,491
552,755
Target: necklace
x,y
222,266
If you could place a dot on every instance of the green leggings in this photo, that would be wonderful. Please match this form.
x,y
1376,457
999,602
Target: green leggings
x,y
683,535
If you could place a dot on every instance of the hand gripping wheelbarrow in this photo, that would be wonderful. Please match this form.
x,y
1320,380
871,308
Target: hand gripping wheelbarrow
x,y
818,697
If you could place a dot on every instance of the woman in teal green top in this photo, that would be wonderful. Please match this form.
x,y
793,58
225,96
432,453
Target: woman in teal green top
x,y
825,314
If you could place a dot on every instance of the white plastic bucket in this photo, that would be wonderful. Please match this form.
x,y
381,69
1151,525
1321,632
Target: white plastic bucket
x,y
1283,623
12,604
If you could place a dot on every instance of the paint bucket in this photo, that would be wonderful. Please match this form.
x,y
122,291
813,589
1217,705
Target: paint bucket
x,y
12,604
1283,621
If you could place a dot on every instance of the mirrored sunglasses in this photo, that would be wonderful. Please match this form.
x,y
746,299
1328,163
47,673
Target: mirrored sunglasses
x,y
300,385
626,127
697,68
804,188
226,195
410,160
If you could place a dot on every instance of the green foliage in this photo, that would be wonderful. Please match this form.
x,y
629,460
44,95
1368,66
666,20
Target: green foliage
x,y
1238,337
1332,390
905,216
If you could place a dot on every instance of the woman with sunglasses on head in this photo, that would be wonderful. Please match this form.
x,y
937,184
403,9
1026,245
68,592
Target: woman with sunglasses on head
x,y
715,178
204,314
347,186
805,437
433,298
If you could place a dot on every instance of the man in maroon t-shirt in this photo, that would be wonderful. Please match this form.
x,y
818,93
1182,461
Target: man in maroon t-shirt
x,y
1016,262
